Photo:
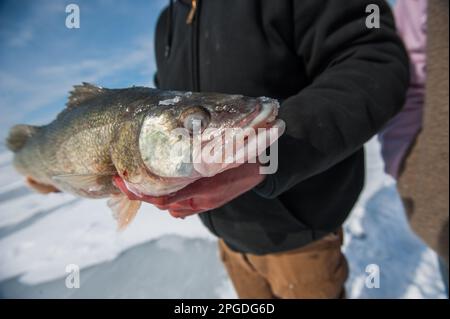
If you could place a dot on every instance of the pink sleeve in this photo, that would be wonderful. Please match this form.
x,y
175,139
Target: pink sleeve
x,y
400,132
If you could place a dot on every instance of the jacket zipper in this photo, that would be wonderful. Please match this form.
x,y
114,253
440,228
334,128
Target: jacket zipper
x,y
193,21
191,14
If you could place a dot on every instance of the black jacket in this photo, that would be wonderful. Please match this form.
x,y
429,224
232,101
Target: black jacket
x,y
339,82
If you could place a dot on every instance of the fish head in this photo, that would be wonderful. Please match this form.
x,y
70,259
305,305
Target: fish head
x,y
174,133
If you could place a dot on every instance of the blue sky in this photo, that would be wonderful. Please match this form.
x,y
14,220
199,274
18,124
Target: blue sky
x,y
40,59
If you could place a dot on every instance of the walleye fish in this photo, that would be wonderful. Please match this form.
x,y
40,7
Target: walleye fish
x,y
104,133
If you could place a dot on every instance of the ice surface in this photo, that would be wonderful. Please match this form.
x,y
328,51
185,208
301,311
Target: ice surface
x,y
162,257
191,270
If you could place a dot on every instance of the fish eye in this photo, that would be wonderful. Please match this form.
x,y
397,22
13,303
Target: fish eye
x,y
194,118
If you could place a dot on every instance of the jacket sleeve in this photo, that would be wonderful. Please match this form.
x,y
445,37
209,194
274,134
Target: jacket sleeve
x,y
358,79
399,134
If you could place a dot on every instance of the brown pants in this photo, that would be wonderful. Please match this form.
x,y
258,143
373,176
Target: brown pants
x,y
318,270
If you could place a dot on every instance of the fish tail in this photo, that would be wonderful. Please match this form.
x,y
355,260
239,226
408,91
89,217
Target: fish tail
x,y
19,135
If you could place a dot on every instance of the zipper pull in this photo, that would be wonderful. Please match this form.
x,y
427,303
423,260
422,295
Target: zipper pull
x,y
191,14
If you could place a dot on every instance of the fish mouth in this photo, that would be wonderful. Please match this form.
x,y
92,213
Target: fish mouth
x,y
258,130
264,115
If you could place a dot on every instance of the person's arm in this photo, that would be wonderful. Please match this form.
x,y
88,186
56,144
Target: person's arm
x,y
400,133
359,77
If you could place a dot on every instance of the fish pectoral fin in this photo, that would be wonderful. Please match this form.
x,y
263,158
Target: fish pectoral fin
x,y
81,181
124,209
41,188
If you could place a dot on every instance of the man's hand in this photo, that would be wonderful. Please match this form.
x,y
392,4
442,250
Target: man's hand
x,y
206,193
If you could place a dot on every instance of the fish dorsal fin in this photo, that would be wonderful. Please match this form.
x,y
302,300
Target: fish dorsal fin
x,y
82,93
124,209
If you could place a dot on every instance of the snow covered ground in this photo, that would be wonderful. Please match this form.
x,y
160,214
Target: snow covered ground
x,y
162,257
